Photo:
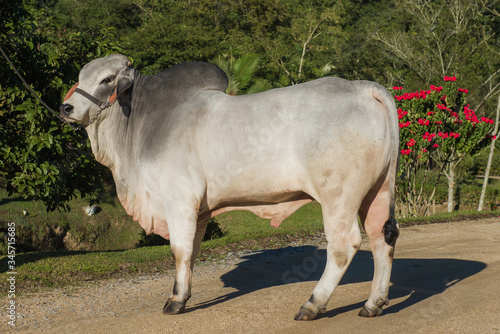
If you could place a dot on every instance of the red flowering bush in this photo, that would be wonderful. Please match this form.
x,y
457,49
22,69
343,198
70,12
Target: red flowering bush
x,y
435,124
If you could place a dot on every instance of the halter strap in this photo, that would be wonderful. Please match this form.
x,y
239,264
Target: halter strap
x,y
100,104
88,96
94,100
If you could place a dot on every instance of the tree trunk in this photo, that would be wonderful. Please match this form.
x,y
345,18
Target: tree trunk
x,y
451,185
490,159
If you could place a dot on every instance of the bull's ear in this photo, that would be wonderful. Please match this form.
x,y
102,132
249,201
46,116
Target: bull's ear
x,y
124,81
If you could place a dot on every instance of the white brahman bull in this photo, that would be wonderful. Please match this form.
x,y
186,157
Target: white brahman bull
x,y
182,151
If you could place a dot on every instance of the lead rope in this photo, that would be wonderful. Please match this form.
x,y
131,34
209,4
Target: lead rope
x,y
73,126
97,113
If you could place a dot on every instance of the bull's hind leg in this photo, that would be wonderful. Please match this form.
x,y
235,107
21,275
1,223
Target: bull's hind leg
x,y
344,239
376,215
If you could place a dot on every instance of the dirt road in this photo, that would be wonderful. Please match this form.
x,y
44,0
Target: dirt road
x,y
446,279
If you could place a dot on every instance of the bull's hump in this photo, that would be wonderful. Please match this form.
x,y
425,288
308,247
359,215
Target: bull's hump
x,y
196,75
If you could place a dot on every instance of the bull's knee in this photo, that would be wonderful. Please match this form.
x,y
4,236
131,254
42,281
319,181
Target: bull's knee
x,y
391,231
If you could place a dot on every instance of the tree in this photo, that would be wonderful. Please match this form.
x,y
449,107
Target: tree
x,y
493,45
444,37
42,158
305,49
240,73
490,158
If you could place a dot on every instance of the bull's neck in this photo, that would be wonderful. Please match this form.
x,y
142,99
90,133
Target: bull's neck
x,y
103,135
109,133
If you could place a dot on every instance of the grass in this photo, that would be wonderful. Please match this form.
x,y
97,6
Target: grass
x,y
111,229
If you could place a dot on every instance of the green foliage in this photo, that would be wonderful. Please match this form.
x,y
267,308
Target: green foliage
x,y
240,73
92,17
42,158
437,37
293,39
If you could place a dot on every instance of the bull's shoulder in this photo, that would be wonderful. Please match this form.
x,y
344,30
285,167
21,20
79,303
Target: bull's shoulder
x,y
195,75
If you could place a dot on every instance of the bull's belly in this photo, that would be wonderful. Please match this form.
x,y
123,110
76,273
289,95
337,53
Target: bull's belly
x,y
275,208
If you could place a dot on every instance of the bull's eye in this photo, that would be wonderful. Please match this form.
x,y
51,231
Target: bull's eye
x,y
106,81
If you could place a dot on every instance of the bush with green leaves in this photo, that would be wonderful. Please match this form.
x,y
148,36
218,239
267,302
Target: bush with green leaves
x,y
40,157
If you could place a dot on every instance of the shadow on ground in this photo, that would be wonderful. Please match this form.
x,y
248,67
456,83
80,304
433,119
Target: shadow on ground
x,y
417,279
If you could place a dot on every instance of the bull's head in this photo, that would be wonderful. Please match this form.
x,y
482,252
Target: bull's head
x,y
100,82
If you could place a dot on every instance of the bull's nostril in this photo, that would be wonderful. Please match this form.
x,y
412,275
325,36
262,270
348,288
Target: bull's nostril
x,y
66,109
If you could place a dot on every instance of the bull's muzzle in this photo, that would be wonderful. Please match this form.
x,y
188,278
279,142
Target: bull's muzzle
x,y
65,109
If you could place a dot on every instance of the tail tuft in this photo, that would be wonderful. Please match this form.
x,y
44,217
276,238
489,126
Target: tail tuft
x,y
391,231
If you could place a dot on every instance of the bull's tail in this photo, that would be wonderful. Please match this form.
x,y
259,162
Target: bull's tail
x,y
391,229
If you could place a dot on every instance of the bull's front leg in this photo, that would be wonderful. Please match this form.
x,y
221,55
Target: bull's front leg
x,y
185,241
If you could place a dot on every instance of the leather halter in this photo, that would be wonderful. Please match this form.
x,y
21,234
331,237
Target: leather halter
x,y
94,100
99,103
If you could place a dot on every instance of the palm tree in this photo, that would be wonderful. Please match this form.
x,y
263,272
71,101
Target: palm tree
x,y
240,73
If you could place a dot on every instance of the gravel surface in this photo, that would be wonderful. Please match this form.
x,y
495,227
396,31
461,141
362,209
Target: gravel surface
x,y
445,280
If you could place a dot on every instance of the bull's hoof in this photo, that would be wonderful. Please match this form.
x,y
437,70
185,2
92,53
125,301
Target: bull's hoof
x,y
305,315
364,312
173,307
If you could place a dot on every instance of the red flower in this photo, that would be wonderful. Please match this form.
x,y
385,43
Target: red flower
x,y
453,78
487,120
435,88
428,136
435,145
402,113
438,122
404,125
442,107
411,143
405,152
430,113
424,122
463,90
